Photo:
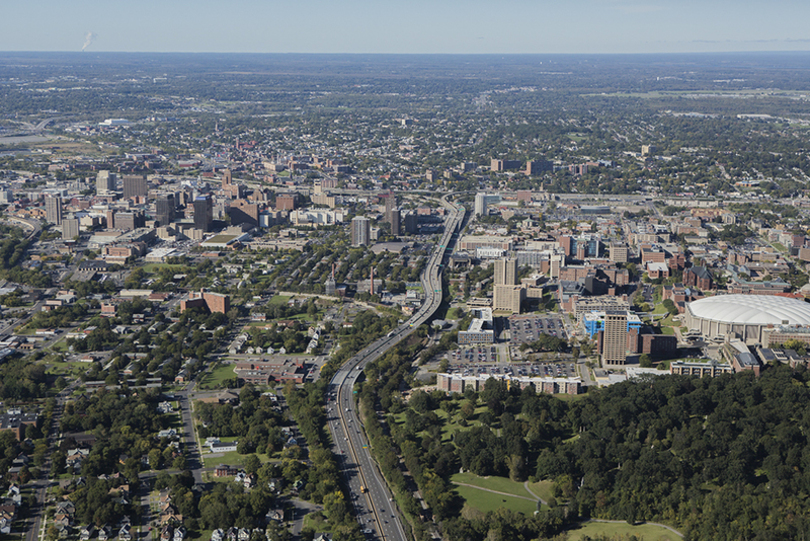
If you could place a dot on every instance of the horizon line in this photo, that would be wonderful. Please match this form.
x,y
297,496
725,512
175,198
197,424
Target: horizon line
x,y
669,53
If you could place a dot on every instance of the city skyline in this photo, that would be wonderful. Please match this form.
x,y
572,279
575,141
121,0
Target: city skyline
x,y
449,27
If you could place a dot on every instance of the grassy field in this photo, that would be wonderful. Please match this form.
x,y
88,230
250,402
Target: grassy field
x,y
500,484
215,378
152,268
279,299
486,501
645,532
231,458
544,489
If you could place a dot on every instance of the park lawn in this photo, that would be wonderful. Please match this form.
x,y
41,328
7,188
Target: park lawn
x,y
279,299
215,377
317,522
492,482
231,458
450,427
667,330
486,501
59,368
614,530
660,309
565,397
544,489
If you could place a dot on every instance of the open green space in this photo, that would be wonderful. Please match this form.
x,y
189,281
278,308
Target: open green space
x,y
645,532
231,458
499,484
279,299
486,501
317,522
543,489
152,268
217,376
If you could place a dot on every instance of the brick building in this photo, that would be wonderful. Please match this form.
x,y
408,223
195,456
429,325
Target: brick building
x,y
214,302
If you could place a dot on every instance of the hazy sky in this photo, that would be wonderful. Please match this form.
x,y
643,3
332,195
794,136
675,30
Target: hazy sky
x,y
406,26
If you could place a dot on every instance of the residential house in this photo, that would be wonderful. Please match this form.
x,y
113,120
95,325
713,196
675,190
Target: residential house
x,y
125,533
87,532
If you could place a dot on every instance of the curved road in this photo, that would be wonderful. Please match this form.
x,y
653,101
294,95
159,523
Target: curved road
x,y
371,498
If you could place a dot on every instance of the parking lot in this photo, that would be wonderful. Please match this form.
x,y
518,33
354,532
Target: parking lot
x,y
551,369
481,354
528,328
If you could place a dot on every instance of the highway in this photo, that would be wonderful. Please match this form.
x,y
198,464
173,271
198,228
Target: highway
x,y
374,508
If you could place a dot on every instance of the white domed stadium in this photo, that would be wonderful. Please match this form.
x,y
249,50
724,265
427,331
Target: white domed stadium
x,y
744,315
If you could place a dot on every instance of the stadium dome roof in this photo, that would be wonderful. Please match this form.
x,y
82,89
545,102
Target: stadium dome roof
x,y
752,309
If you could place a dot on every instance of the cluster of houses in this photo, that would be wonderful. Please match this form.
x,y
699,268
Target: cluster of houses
x,y
63,521
8,509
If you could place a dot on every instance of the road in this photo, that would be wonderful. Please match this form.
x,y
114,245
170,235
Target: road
x,y
370,496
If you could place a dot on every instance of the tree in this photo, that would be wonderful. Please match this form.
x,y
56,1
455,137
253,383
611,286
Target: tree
x,y
645,361
154,458
252,463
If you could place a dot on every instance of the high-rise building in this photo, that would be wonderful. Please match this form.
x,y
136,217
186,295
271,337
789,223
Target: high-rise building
x,y
233,191
70,228
361,231
203,212
507,295
618,252
538,166
135,186
286,201
243,211
506,271
614,338
390,204
164,209
128,221
411,223
53,210
105,183
480,204
395,222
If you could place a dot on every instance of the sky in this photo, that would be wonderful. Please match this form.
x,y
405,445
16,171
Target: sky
x,y
405,26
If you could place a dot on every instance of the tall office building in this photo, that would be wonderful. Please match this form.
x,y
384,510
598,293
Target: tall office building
x,y
53,210
614,338
164,209
70,228
506,294
480,204
203,212
361,231
396,222
135,186
105,183
506,271
390,204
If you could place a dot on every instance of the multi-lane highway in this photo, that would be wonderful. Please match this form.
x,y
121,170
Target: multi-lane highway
x,y
371,498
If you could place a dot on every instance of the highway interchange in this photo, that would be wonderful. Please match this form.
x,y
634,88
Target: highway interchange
x,y
374,508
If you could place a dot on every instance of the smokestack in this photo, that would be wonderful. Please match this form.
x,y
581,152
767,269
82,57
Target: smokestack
x,y
372,281
333,271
